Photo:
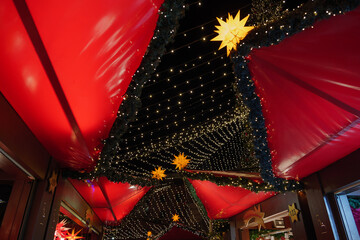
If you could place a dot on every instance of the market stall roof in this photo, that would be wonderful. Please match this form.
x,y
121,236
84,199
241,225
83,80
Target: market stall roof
x,y
110,201
65,69
66,66
226,201
310,92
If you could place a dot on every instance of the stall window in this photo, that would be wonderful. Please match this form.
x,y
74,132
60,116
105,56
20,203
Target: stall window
x,y
348,203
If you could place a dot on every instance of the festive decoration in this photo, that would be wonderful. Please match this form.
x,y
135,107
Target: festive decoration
x,y
265,11
231,32
255,214
175,218
73,235
181,161
61,230
171,12
149,234
260,235
255,126
268,34
293,213
153,211
52,182
158,173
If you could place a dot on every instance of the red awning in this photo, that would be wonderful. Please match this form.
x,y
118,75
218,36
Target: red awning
x,y
226,201
110,201
66,70
310,92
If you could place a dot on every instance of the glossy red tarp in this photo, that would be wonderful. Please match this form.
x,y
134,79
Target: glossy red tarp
x,y
309,85
94,47
110,201
226,201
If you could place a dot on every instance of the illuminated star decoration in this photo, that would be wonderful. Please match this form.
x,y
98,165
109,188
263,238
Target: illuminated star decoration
x,y
231,31
180,161
255,214
60,231
175,218
158,173
73,235
52,182
149,235
293,213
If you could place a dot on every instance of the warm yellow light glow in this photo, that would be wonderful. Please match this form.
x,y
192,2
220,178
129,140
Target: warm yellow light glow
x,y
180,161
231,32
175,218
158,173
73,235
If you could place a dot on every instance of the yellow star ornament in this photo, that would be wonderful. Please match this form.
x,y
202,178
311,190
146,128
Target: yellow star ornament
x,y
180,161
175,218
158,173
293,213
73,235
231,31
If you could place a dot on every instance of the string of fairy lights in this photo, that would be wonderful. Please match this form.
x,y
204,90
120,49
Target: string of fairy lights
x,y
154,212
219,143
183,94
223,142
212,131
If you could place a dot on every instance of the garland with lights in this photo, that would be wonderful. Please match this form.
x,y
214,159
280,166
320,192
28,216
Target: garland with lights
x,y
267,35
159,223
118,171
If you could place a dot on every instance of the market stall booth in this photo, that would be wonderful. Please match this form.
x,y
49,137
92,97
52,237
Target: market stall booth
x,y
145,150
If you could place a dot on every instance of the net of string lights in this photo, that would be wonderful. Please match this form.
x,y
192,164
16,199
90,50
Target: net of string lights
x,y
155,213
189,105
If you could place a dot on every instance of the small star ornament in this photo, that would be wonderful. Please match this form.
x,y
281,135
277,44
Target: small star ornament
x,y
52,182
158,173
180,161
175,218
73,235
231,32
293,213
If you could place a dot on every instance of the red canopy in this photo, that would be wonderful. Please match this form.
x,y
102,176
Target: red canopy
x,y
226,201
66,70
310,91
110,201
